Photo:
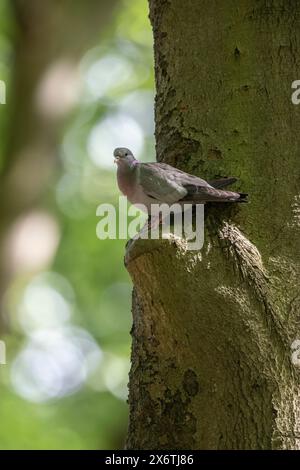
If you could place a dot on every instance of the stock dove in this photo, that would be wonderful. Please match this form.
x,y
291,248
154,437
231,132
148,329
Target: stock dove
x,y
149,183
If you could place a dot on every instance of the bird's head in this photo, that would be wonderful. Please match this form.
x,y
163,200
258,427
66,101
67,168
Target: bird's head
x,y
123,156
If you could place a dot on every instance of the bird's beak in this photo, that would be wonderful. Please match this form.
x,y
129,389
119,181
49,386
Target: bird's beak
x,y
116,159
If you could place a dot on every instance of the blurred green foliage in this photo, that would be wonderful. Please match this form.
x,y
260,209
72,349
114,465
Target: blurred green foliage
x,y
65,382
6,52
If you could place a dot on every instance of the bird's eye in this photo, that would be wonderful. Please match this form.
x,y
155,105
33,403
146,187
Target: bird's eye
x,y
126,154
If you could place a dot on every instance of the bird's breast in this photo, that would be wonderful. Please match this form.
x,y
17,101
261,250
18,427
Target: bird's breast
x,y
126,181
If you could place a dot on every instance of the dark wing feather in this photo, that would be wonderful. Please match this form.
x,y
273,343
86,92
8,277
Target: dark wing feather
x,y
222,182
200,194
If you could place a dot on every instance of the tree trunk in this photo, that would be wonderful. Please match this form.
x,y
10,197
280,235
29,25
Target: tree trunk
x,y
214,358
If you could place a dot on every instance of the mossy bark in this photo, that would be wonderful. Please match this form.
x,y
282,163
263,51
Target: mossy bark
x,y
214,357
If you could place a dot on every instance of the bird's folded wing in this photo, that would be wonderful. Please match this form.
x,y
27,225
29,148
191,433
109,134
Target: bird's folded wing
x,y
159,182
222,182
199,195
198,191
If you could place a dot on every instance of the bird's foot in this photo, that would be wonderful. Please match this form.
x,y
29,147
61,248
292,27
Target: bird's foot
x,y
149,228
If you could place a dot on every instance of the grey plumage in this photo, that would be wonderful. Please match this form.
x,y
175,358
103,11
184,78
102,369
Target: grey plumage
x,y
222,182
148,183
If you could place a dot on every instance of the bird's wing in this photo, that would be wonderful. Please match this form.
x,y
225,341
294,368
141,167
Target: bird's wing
x,y
167,184
159,182
200,195
180,176
222,182
200,191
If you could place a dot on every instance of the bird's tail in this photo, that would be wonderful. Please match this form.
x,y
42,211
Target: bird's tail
x,y
243,197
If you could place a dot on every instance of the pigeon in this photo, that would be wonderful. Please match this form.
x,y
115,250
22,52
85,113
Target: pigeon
x,y
158,183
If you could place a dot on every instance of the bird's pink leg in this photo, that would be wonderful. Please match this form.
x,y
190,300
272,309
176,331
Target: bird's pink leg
x,y
151,224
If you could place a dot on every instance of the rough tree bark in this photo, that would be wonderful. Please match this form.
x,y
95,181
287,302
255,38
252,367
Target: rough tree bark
x,y
213,330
